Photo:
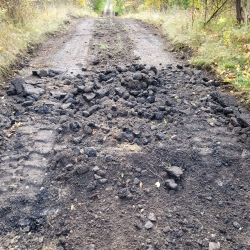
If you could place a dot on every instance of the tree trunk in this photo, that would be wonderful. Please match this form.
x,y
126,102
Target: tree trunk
x,y
239,11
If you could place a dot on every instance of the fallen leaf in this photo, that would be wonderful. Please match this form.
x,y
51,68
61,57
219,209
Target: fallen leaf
x,y
72,207
140,185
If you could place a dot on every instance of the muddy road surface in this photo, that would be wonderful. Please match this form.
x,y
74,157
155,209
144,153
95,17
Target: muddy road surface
x,y
113,144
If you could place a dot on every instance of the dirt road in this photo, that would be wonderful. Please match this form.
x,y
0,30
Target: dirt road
x,y
115,144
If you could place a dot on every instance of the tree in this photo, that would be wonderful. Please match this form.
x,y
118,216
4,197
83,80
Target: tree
x,y
239,11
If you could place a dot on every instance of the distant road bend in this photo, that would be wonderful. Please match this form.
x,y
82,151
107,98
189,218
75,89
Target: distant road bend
x,y
108,9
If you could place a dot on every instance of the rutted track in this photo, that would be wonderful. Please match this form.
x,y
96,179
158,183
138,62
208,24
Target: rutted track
x,y
123,155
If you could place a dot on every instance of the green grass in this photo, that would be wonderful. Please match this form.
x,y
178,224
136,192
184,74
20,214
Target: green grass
x,y
220,46
103,46
32,29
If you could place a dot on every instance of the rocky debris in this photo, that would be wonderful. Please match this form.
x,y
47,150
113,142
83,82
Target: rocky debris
x,y
244,120
95,62
80,170
123,193
174,172
139,120
152,217
91,247
91,186
214,246
149,225
89,96
30,90
139,225
171,184
160,136
18,84
25,89
90,152
5,122
57,94
224,100
236,225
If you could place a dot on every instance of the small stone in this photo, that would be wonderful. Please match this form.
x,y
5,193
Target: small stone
x,y
153,127
102,181
74,126
95,169
40,239
209,198
214,246
108,158
97,177
123,193
222,230
89,96
6,243
91,247
150,99
90,152
174,171
166,229
102,92
137,133
160,136
26,229
87,130
236,224
95,62
42,73
69,167
18,84
174,137
171,184
138,170
101,173
144,172
149,225
86,113
27,103
136,181
139,225
158,116
91,186
80,170
152,217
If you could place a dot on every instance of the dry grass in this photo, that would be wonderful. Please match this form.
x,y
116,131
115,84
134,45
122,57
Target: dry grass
x,y
221,46
31,29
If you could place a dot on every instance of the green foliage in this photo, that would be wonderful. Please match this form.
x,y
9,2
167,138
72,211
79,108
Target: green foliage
x,y
98,5
119,6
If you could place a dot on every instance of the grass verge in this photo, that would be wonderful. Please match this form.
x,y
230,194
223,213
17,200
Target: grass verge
x,y
221,46
17,38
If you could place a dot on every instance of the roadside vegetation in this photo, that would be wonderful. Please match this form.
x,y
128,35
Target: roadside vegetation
x,y
217,31
26,23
